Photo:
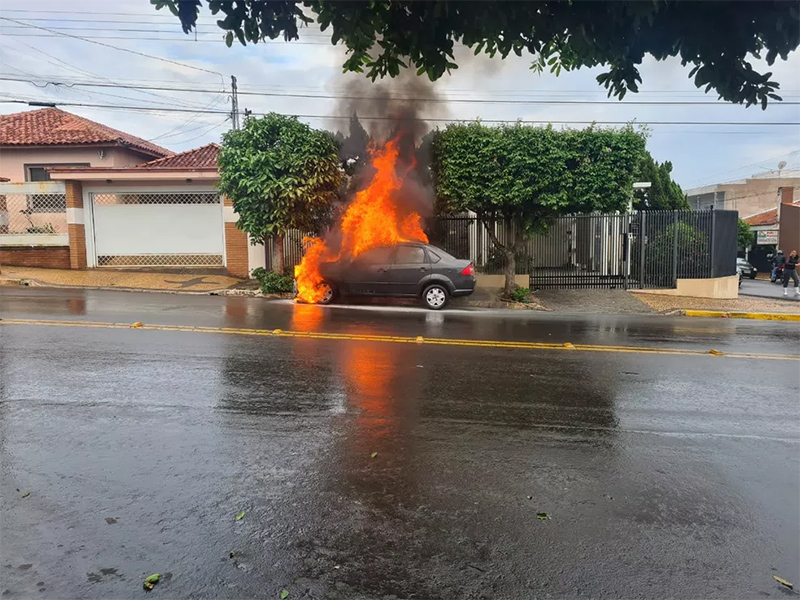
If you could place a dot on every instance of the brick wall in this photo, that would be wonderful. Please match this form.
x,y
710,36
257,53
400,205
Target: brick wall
x,y
236,254
77,231
77,246
51,257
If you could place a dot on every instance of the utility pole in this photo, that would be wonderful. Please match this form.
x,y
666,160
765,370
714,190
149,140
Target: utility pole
x,y
234,103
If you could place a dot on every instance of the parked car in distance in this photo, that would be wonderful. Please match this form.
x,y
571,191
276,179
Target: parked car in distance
x,y
407,270
748,270
739,273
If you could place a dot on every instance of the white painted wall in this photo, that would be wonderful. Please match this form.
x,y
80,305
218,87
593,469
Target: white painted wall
x,y
13,160
256,256
134,229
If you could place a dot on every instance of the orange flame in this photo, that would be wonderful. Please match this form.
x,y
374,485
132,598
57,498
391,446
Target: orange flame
x,y
374,218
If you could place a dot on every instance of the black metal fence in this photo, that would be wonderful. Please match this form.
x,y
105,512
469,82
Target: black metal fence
x,y
651,249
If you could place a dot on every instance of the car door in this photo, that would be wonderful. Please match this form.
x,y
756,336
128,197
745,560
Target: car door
x,y
368,273
411,264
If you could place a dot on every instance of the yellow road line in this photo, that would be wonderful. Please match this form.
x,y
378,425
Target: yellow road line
x,y
520,345
743,315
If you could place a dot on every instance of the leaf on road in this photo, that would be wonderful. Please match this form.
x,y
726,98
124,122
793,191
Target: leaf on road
x,y
136,325
240,516
542,516
716,352
782,581
26,494
374,454
284,594
151,581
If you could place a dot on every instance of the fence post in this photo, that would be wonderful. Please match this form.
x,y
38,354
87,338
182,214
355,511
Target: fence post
x,y
642,214
711,249
675,249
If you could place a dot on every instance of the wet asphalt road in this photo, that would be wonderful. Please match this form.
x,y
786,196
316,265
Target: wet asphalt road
x,y
663,476
766,289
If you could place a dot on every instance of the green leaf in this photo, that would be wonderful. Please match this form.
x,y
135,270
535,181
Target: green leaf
x,y
229,39
542,516
240,516
782,581
153,578
284,594
374,454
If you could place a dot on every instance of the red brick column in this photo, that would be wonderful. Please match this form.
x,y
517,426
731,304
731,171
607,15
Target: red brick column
x,y
75,225
236,255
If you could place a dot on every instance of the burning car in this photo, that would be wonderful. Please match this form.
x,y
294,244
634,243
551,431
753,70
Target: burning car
x,y
378,247
405,270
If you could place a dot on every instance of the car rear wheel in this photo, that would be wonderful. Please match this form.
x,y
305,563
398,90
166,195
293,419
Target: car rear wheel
x,y
435,296
328,293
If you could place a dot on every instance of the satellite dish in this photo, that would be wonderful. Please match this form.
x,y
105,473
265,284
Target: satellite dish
x,y
781,165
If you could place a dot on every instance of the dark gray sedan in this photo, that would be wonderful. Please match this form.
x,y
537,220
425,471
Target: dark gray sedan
x,y
748,270
406,271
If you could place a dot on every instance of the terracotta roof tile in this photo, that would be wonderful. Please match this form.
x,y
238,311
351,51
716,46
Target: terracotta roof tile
x,y
204,157
769,217
53,126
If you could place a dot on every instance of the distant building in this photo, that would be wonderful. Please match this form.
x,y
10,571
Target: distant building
x,y
749,196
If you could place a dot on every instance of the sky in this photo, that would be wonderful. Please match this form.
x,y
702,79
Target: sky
x,y
266,73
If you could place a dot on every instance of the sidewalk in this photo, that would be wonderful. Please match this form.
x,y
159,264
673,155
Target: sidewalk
x,y
663,304
177,282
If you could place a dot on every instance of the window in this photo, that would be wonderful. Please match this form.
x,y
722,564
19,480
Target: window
x,y
410,255
377,256
39,172
435,258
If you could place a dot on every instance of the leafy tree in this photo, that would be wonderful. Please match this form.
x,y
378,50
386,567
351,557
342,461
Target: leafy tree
x,y
745,236
520,175
664,193
719,39
280,174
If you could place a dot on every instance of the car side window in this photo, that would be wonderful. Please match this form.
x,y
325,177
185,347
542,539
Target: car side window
x,y
412,255
376,256
434,258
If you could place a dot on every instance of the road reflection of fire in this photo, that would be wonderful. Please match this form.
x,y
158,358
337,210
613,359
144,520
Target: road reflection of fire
x,y
369,370
306,317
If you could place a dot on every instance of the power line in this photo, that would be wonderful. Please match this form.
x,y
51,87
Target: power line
x,y
760,162
109,83
69,35
431,119
154,39
403,99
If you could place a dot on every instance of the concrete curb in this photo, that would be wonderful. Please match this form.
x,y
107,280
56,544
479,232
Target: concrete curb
x,y
743,315
7,281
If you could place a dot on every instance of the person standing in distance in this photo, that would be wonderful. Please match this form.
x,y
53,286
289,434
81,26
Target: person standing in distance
x,y
777,262
790,270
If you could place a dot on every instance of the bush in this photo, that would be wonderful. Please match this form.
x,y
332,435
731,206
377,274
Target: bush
x,y
520,294
272,282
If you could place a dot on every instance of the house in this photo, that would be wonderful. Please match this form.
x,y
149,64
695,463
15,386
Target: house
x,y
748,196
134,206
32,141
777,227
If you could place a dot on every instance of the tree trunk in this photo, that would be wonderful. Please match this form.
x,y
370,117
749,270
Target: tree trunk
x,y
279,256
509,252
510,271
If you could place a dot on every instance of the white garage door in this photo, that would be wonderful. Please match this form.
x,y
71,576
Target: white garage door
x,y
177,229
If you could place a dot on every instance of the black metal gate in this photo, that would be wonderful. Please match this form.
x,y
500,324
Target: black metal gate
x,y
649,249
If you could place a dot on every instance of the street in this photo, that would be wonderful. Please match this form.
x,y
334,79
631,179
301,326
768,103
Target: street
x,y
631,462
766,289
